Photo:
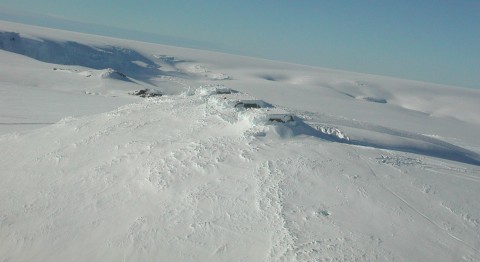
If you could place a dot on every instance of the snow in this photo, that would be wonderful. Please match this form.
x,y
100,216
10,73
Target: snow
x,y
370,169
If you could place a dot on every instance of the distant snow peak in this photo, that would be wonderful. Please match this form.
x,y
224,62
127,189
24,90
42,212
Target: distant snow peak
x,y
74,53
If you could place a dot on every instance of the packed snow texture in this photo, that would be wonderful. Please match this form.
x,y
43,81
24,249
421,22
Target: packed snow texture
x,y
227,158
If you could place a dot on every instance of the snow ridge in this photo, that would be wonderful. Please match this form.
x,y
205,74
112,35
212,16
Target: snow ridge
x,y
270,202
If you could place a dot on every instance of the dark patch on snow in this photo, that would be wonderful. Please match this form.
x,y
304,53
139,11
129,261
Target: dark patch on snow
x,y
345,93
274,78
324,213
170,60
248,104
146,93
66,69
225,91
375,100
281,118
269,78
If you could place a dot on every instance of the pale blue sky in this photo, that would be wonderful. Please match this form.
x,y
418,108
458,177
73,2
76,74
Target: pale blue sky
x,y
428,40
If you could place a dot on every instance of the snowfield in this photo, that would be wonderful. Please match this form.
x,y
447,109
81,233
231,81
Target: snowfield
x,y
226,158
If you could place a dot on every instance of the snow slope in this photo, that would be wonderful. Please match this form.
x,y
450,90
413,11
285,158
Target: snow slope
x,y
372,168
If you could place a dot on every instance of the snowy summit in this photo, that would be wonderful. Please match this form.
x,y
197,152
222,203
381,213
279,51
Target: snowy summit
x,y
116,150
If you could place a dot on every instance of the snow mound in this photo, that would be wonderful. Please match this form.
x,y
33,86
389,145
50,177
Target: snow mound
x,y
261,118
334,132
110,73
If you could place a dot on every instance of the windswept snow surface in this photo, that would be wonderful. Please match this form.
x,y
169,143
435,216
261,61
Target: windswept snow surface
x,y
366,168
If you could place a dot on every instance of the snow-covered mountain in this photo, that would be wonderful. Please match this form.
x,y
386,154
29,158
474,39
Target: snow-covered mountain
x,y
119,150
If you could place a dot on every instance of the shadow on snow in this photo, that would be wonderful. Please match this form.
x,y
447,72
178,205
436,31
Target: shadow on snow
x,y
402,141
72,53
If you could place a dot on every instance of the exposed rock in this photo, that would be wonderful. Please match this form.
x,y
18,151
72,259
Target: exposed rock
x,y
146,93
